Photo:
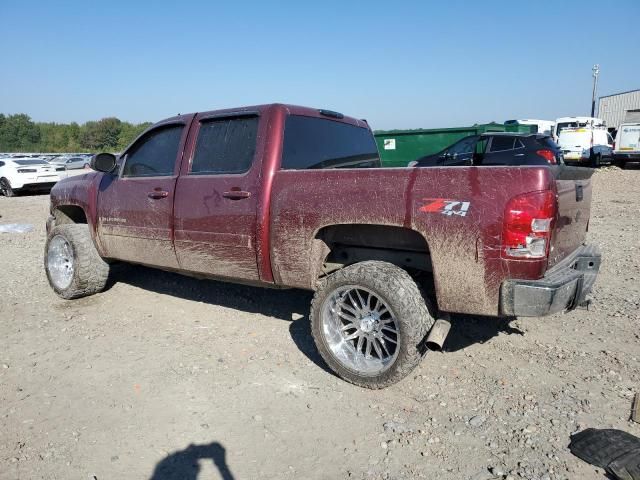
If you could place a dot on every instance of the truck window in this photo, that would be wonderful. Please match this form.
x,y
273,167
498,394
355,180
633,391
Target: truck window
x,y
154,154
318,143
225,146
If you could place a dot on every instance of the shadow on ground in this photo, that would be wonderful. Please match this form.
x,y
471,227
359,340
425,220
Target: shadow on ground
x,y
467,330
185,464
290,305
282,304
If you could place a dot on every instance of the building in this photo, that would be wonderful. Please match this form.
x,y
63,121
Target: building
x,y
619,108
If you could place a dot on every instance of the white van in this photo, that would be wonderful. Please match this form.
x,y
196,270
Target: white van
x,y
627,145
586,144
575,122
542,126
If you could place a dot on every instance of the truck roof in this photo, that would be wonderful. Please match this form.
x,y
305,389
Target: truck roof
x,y
260,109
579,119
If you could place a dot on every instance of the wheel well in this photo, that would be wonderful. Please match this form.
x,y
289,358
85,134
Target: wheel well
x,y
337,246
69,214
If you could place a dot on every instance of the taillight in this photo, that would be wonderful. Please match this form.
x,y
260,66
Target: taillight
x,y
548,155
528,222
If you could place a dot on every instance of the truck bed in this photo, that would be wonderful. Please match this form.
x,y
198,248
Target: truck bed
x,y
464,246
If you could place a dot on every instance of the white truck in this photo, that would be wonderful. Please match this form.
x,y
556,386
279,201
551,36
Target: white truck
x,y
574,122
626,148
586,144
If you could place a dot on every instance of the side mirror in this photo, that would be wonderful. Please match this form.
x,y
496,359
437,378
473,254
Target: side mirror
x,y
104,162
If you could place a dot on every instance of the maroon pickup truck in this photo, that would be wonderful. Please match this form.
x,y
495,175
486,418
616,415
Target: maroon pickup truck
x,y
287,196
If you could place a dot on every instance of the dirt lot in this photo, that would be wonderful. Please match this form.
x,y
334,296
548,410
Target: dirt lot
x,y
167,377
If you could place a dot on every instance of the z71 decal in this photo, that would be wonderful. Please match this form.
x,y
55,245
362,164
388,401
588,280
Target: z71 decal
x,y
445,206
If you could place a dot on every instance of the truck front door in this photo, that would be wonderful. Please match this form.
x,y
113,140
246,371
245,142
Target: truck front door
x,y
217,195
135,206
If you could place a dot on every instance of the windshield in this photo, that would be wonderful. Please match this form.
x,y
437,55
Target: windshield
x,y
562,126
30,162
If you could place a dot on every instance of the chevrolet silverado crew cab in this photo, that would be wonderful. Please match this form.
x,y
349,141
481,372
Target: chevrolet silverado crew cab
x,y
285,196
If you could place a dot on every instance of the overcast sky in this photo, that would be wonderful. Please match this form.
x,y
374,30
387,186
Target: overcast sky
x,y
398,64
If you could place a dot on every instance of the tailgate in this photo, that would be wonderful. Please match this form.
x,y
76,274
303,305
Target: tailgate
x,y
574,186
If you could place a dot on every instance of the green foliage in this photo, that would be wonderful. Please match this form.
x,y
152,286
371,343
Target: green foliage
x,y
18,133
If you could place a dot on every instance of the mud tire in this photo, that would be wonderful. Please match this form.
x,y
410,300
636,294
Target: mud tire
x,y
401,293
90,271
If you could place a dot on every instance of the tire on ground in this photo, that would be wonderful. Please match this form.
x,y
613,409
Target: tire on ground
x,y
401,293
90,271
5,188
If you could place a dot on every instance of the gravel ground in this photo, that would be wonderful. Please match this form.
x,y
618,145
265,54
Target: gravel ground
x,y
164,377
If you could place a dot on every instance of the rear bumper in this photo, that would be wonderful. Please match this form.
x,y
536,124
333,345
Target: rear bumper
x,y
563,288
40,185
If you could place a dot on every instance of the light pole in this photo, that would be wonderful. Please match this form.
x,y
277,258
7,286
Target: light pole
x,y
596,71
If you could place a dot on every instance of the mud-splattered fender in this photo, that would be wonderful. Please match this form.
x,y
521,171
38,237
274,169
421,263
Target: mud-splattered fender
x,y
80,191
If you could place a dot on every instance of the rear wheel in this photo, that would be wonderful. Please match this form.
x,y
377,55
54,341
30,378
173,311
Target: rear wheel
x,y
368,321
5,188
596,160
74,267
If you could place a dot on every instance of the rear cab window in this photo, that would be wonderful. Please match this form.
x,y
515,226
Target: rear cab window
x,y
318,143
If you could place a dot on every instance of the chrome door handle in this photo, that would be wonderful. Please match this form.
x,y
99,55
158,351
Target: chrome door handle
x,y
158,194
236,194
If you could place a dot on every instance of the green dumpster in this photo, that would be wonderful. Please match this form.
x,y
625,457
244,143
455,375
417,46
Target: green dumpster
x,y
399,147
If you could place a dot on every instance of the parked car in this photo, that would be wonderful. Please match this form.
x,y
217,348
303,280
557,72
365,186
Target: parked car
x,y
496,149
18,174
575,122
627,144
586,144
285,196
71,163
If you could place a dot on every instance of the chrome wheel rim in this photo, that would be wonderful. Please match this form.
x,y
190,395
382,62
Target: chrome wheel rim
x,y
60,262
360,330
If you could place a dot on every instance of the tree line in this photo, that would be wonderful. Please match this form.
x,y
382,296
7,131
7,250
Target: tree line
x,y
18,133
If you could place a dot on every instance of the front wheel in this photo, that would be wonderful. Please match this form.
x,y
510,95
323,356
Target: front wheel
x,y
5,188
368,321
74,267
596,160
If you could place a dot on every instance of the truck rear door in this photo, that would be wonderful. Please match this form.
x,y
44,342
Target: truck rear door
x,y
574,188
216,197
629,138
575,143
